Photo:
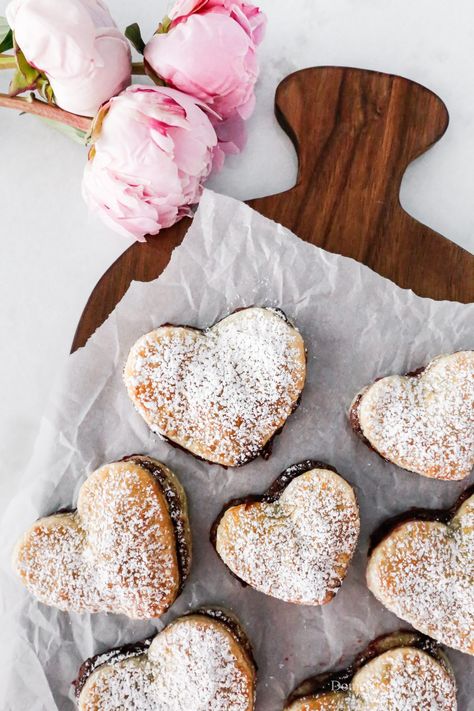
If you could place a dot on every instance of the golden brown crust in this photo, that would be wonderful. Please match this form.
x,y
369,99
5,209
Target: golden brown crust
x,y
403,678
423,571
296,546
422,422
325,702
117,552
177,504
196,663
223,393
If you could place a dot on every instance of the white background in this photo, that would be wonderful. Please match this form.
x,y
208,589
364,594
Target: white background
x,y
52,253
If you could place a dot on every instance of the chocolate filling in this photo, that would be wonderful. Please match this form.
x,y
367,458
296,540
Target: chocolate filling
x,y
137,649
416,514
272,494
327,681
356,426
175,509
266,451
355,421
59,512
111,657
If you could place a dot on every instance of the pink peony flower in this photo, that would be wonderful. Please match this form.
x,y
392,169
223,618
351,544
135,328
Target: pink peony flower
x,y
154,150
252,19
77,45
209,51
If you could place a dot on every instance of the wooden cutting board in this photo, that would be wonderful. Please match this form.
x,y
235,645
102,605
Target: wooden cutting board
x,y
355,132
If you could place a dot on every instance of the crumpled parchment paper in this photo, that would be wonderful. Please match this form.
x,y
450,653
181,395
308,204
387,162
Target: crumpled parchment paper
x,y
357,326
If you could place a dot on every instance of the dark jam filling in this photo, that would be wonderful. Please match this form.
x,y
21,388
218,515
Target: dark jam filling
x,y
356,426
416,514
137,649
59,512
272,494
329,681
275,309
111,657
266,451
355,421
175,509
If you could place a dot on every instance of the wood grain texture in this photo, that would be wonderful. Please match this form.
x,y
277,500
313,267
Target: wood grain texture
x,y
355,132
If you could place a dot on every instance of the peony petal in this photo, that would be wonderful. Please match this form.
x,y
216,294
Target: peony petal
x,y
210,57
146,173
231,134
184,8
77,44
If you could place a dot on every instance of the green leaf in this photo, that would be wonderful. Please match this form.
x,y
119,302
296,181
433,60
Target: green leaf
x,y
30,73
19,84
45,89
28,78
164,26
7,42
73,133
25,77
6,36
134,36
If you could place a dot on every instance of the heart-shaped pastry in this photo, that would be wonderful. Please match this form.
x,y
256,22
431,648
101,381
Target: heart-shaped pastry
x,y
223,393
398,672
200,662
422,568
296,541
423,421
126,549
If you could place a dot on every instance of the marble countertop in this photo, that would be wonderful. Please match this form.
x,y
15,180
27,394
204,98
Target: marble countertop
x,y
52,253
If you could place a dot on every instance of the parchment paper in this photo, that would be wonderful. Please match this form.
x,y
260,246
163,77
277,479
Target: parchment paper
x,y
356,325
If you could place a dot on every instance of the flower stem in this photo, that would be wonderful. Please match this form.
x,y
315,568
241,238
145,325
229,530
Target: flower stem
x,y
7,61
138,68
41,108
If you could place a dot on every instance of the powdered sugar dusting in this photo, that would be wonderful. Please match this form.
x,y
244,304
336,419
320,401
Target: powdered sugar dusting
x,y
424,572
116,553
194,664
424,423
297,548
404,679
220,393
